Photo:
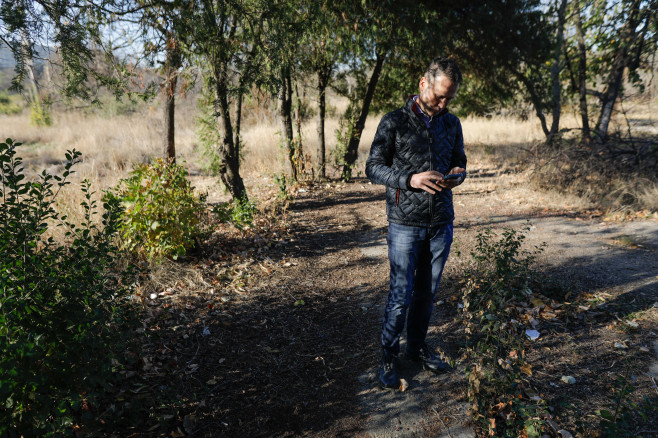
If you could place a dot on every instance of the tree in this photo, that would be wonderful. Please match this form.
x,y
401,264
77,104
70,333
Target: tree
x,y
504,49
163,25
582,71
324,43
76,31
81,36
227,38
555,71
377,28
612,42
286,23
627,49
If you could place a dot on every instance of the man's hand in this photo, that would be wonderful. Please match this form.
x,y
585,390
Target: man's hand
x,y
449,184
428,181
432,181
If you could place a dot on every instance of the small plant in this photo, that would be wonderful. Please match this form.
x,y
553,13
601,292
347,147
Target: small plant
x,y
343,135
496,283
240,213
40,114
62,307
39,110
161,213
282,182
615,420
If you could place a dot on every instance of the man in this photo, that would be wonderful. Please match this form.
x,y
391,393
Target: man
x,y
414,149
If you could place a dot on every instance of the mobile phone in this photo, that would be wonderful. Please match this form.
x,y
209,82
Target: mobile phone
x,y
453,176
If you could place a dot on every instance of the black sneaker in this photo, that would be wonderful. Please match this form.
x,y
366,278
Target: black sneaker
x,y
388,376
431,362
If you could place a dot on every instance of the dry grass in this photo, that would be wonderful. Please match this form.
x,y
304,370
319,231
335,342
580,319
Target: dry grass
x,y
110,145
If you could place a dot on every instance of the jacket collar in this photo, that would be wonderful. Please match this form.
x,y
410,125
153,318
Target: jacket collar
x,y
413,109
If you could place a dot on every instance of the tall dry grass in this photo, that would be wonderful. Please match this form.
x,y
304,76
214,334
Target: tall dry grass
x,y
111,145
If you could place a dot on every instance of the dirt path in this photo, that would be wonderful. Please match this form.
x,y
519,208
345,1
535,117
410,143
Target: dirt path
x,y
296,352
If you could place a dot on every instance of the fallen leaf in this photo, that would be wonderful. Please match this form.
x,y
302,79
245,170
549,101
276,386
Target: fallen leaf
x,y
527,369
299,303
621,345
537,302
404,385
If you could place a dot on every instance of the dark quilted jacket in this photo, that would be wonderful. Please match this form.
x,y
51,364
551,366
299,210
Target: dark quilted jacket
x,y
404,146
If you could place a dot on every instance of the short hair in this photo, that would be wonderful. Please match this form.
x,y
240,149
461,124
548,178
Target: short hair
x,y
446,67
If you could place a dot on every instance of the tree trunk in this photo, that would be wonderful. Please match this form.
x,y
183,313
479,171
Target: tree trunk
x,y
299,146
229,171
621,61
323,80
555,73
534,98
238,121
352,151
284,106
172,64
28,64
582,75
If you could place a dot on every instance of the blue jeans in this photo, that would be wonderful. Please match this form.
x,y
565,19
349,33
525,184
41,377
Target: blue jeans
x,y
417,256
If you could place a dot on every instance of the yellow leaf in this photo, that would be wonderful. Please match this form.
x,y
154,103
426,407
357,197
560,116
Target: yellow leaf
x,y
527,369
537,302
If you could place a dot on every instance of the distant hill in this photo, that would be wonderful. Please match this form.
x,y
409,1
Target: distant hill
x,y
6,58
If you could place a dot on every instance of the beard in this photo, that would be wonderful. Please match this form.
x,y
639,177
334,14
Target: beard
x,y
427,107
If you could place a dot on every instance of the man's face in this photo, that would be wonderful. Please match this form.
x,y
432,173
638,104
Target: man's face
x,y
435,96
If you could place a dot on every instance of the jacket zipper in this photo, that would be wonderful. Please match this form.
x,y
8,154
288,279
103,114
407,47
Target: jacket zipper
x,y
429,137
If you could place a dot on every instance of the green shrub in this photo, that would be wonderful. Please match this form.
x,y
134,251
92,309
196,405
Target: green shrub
x,y
39,109
161,214
61,305
208,134
240,213
40,114
8,104
495,287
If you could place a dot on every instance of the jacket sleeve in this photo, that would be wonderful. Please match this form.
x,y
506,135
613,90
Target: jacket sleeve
x,y
458,155
380,161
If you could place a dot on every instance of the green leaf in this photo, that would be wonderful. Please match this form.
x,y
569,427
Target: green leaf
x,y
606,415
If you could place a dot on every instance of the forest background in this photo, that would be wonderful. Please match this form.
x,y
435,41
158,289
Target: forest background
x,y
258,99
